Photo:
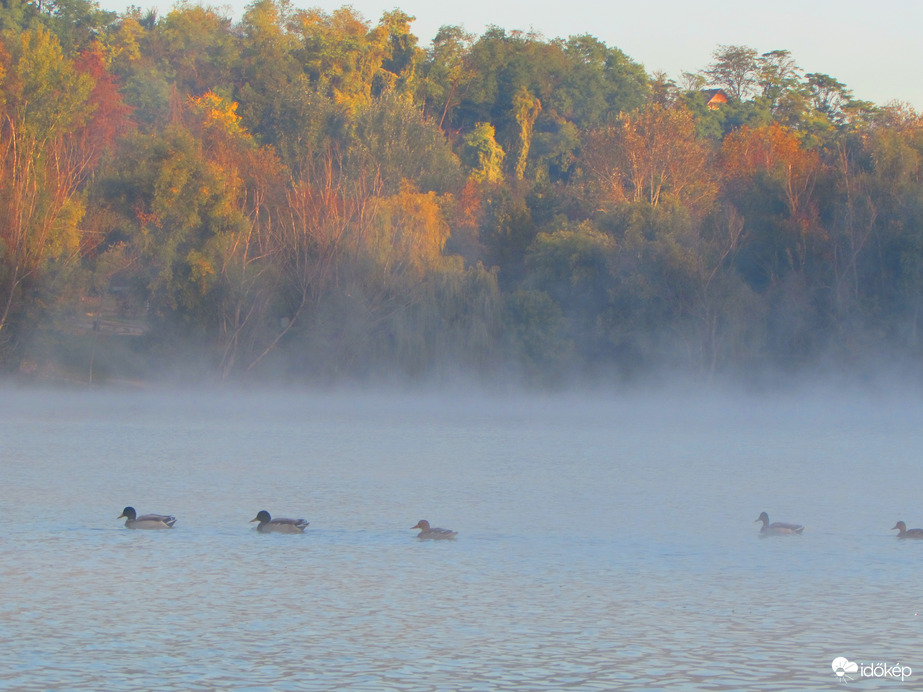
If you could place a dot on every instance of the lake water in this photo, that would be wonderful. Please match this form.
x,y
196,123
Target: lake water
x,y
605,542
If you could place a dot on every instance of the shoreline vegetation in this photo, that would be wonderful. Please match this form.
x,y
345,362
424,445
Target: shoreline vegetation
x,y
311,197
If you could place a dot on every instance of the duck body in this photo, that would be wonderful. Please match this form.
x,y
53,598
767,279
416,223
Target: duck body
x,y
904,532
146,521
269,525
430,533
778,528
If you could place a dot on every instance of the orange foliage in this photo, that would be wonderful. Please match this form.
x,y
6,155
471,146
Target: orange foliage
x,y
772,150
651,155
110,116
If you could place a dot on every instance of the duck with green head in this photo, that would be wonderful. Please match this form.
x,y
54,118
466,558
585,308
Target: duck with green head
x,y
146,521
269,525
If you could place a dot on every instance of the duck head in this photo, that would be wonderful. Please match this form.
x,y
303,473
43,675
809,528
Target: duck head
x,y
128,513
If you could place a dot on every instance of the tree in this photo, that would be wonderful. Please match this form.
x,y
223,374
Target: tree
x,y
446,72
770,177
43,104
483,155
399,69
527,109
270,78
595,81
326,218
651,155
197,44
778,76
18,15
391,134
76,23
111,116
735,69
575,265
341,54
827,96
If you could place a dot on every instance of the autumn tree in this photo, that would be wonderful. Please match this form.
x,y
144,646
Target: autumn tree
x,y
42,165
199,201
342,53
771,180
651,155
145,79
323,226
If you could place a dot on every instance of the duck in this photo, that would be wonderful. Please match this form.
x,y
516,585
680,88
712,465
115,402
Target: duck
x,y
146,521
904,532
427,532
269,525
778,528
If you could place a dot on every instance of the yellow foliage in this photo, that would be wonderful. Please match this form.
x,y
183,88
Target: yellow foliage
x,y
200,269
217,111
66,236
124,44
411,230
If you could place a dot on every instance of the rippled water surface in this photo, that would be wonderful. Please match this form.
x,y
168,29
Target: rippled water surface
x,y
604,543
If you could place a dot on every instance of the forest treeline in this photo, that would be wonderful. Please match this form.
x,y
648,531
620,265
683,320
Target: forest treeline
x,y
315,196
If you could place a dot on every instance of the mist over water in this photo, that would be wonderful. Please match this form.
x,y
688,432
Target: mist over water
x,y
605,542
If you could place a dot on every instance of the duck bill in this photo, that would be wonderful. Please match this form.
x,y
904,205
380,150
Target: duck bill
x,y
254,519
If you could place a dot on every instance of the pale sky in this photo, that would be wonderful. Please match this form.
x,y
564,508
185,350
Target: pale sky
x,y
872,46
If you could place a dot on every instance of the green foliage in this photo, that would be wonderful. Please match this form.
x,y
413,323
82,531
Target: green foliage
x,y
392,134
735,69
311,193
538,336
197,46
19,15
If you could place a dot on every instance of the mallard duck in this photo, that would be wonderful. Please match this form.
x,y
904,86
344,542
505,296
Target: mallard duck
x,y
778,528
904,532
146,521
431,533
269,525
